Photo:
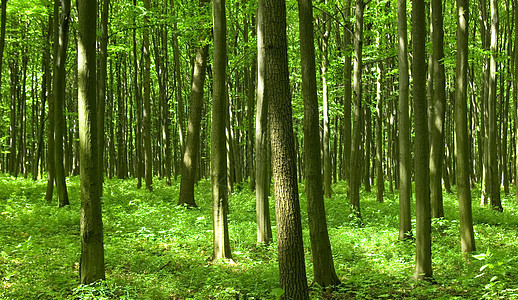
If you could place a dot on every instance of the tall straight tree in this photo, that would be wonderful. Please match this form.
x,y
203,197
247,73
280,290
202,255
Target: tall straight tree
x,y
439,105
292,269
192,143
218,158
148,156
494,193
60,59
355,179
515,91
347,92
3,18
323,266
91,267
103,71
462,151
262,176
423,268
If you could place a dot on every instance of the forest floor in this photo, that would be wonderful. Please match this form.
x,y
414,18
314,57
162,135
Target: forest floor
x,y
155,249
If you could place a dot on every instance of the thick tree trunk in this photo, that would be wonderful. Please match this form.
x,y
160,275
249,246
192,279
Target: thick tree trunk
x,y
192,143
101,101
323,267
423,268
292,271
221,239
461,130
91,267
405,171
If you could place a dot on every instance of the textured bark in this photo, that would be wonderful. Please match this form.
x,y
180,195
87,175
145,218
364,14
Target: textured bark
x,y
405,175
438,105
323,267
355,160
262,161
494,193
221,239
467,237
91,267
192,143
292,270
423,268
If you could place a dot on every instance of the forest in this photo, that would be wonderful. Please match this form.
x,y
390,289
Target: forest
x,y
270,149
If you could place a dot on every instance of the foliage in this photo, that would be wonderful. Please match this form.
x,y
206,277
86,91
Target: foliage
x,y
157,250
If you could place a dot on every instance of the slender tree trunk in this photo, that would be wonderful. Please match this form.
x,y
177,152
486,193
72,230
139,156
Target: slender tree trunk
x,y
148,155
91,267
101,101
461,130
423,268
192,144
60,58
494,194
367,143
405,186
515,94
138,98
323,266
250,108
438,104
221,240
355,179
347,93
380,178
262,176
292,271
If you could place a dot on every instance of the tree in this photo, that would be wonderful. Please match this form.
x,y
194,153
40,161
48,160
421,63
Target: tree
x,y
148,155
439,103
515,90
423,268
192,143
292,270
218,148
92,252
467,235
354,180
262,176
347,93
60,58
494,193
323,266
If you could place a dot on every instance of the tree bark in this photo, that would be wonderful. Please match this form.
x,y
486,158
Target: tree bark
x,y
103,72
423,268
221,239
380,178
192,143
292,271
91,267
405,171
438,106
346,158
355,160
148,155
462,154
323,266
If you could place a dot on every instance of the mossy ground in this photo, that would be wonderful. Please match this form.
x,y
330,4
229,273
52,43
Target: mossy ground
x,y
155,249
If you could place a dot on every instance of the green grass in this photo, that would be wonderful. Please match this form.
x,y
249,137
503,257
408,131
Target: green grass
x,y
157,250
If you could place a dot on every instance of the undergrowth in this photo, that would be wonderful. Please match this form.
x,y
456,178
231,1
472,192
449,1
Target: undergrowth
x,y
155,249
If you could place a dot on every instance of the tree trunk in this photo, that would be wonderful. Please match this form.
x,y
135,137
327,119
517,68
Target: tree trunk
x,y
494,193
91,267
423,268
355,160
101,101
467,236
438,104
347,94
380,178
60,58
405,171
221,240
192,143
323,267
368,142
262,176
515,95
292,271
148,155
